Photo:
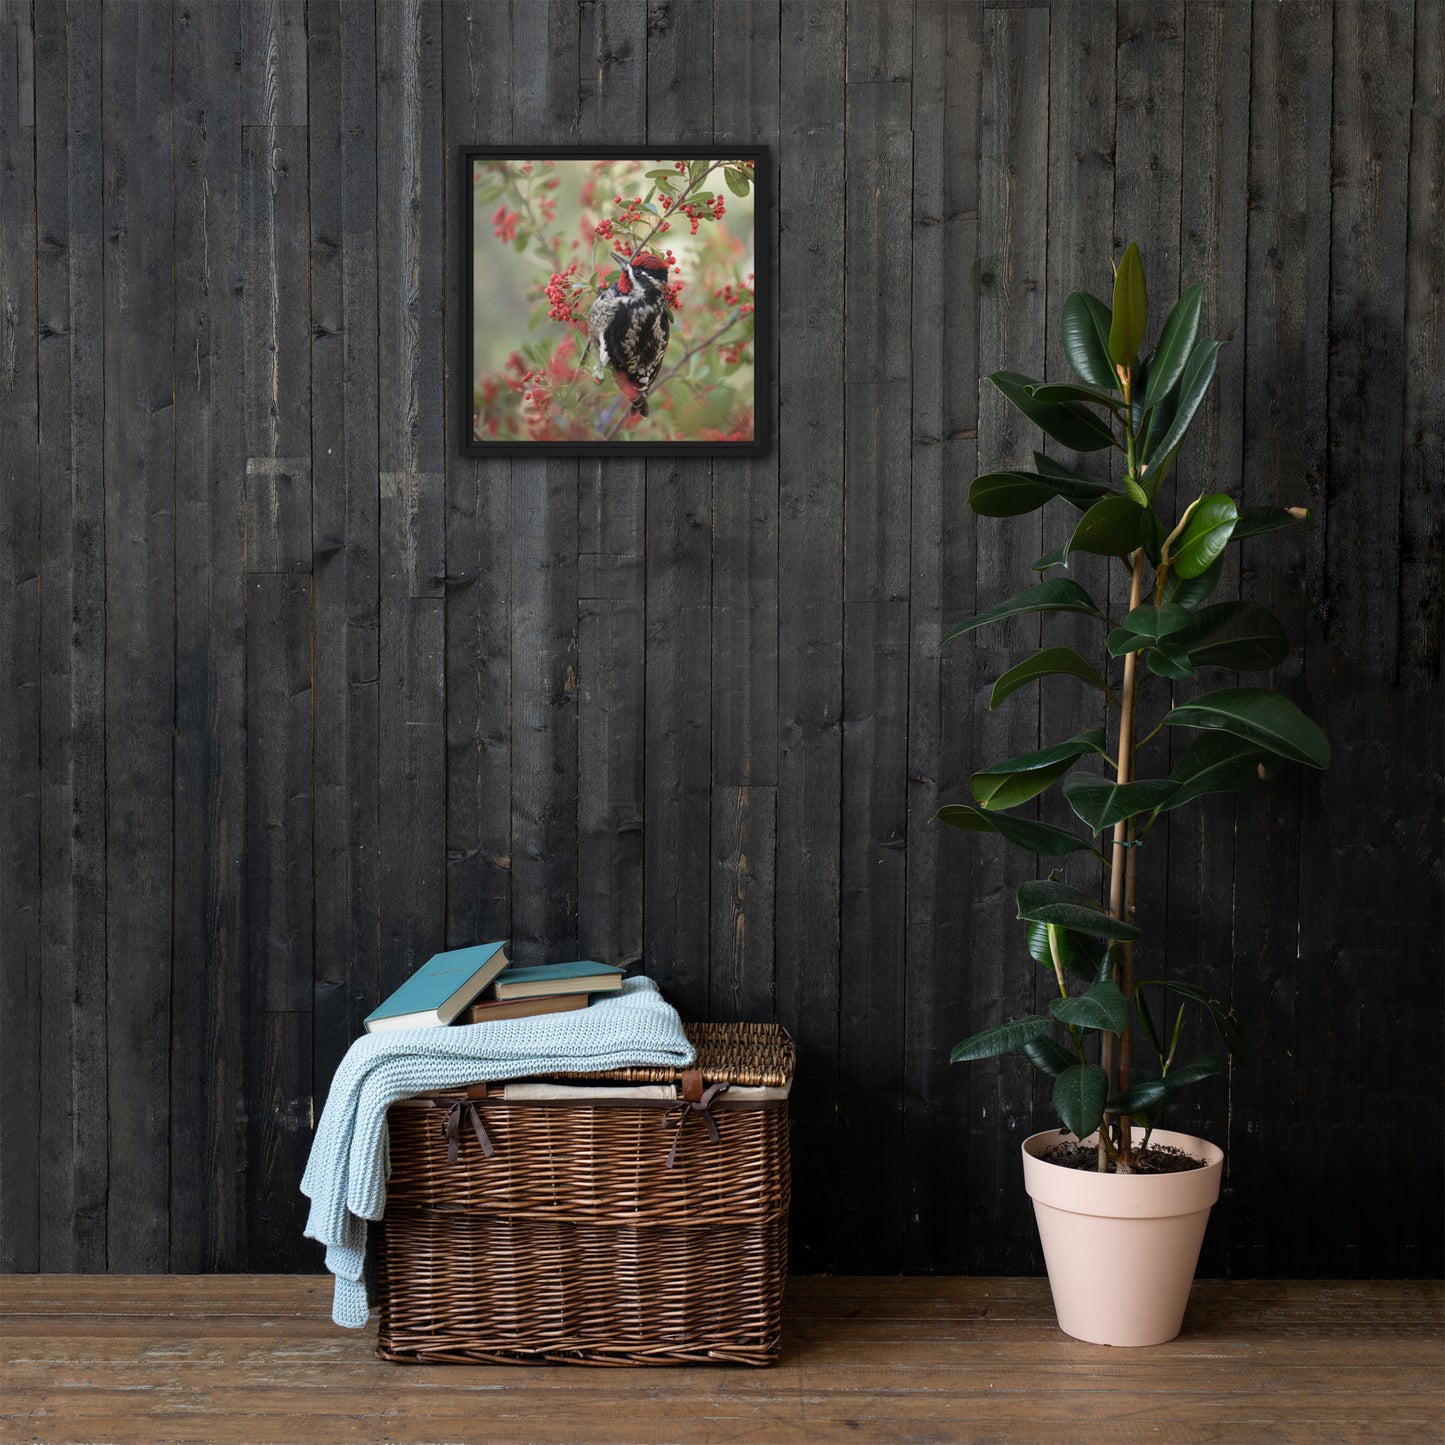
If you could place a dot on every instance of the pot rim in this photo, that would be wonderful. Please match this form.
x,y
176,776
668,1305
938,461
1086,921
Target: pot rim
x,y
1136,1196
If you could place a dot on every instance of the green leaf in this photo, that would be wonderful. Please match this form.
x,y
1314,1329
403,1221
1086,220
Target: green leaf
x,y
1001,1039
1059,557
1206,534
1103,1007
1048,1057
1146,1021
1255,521
1225,1022
1051,662
1131,309
737,182
1191,591
1135,492
1198,373
1012,494
1101,804
1079,954
1151,622
1239,635
1110,528
1042,900
1214,763
1258,716
1206,1066
1041,838
1067,391
1176,341
1168,659
1134,1100
1072,426
696,170
1085,333
1058,595
1007,784
1151,531
1079,1094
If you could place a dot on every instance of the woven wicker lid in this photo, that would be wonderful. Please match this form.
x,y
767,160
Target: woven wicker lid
x,y
751,1055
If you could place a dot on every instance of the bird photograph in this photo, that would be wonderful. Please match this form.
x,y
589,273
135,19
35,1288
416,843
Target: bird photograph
x,y
613,300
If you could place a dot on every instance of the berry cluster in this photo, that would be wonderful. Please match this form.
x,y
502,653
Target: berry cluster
x,y
504,224
562,294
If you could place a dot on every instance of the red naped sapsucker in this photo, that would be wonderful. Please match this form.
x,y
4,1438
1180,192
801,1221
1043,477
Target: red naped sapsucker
x,y
629,325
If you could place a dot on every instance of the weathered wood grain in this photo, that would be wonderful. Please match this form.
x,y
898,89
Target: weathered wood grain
x,y
20,838
876,650
139,460
811,439
209,987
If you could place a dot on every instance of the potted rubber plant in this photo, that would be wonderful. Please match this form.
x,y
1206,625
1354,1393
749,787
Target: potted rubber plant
x,y
1121,1204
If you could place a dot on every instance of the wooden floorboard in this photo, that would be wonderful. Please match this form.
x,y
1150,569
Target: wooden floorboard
x,y
206,1360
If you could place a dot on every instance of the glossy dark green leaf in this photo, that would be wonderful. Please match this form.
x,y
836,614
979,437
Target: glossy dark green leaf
x,y
1151,534
1103,1007
1146,1021
1048,1057
1060,594
1130,316
1072,426
1079,1094
1068,391
1085,333
1214,763
1057,558
1041,838
1206,534
1198,373
1015,781
1101,804
1049,467
1110,528
1138,1097
1206,1066
1258,716
1240,635
1041,900
1255,521
1191,591
1176,341
1225,1022
1078,954
1012,494
1168,659
1001,1039
1151,622
1051,662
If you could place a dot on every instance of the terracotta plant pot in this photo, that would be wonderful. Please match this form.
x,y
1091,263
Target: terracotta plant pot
x,y
1121,1248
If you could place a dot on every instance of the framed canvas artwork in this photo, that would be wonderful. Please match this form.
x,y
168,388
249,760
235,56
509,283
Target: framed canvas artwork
x,y
614,301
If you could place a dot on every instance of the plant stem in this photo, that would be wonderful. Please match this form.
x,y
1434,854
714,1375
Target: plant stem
x,y
1121,870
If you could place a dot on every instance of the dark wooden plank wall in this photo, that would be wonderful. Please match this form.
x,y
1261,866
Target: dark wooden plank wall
x,y
294,695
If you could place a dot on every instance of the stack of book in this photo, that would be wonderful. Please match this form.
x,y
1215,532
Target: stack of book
x,y
477,985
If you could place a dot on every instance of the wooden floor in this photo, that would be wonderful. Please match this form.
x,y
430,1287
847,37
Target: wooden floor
x,y
161,1360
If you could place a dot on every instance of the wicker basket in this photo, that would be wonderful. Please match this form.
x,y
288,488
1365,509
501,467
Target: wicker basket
x,y
627,1232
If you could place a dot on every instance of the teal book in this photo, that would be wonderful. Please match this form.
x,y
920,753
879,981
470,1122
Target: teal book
x,y
440,989
549,978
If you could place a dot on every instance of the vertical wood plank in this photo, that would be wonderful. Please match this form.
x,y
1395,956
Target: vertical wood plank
x,y
139,625
611,587
947,70
20,838
209,981
1012,317
278,345
745,595
877,341
342,137
477,55
677,826
545,783
279,911
811,433
1285,421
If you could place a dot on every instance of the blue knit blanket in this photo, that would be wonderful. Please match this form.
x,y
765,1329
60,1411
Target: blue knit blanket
x,y
346,1175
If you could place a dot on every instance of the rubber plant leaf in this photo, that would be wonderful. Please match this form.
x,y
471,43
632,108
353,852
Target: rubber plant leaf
x,y
1103,1007
1110,528
1068,391
1141,1096
1051,662
1013,494
1072,426
1206,1066
1015,781
1191,591
1060,594
1168,659
1042,900
1131,309
1258,716
1255,521
1079,1095
1176,341
1048,1057
1001,1039
1198,373
1041,838
1084,330
1215,763
1100,803
1079,954
1206,534
1242,636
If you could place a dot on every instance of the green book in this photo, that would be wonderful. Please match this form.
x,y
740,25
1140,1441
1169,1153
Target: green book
x,y
440,989
548,978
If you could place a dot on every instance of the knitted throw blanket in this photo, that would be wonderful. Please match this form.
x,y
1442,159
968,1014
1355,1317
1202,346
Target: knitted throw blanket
x,y
346,1175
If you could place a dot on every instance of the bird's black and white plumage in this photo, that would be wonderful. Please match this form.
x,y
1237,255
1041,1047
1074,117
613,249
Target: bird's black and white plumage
x,y
629,326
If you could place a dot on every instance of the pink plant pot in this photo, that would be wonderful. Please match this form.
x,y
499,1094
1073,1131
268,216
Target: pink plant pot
x,y
1121,1249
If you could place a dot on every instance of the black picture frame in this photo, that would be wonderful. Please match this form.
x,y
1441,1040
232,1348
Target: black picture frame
x,y
761,441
